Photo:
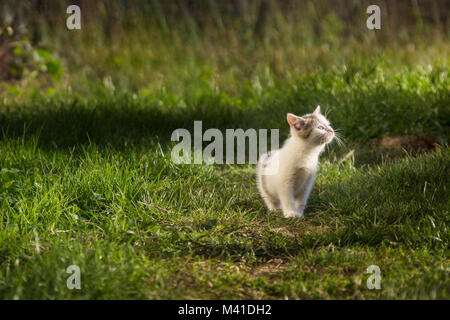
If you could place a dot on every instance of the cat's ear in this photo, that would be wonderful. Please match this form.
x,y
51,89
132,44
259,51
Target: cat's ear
x,y
317,111
295,122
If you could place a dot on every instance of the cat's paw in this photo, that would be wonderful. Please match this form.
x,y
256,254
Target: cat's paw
x,y
293,214
290,214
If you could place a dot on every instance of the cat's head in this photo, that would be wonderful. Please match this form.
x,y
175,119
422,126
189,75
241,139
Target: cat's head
x,y
313,128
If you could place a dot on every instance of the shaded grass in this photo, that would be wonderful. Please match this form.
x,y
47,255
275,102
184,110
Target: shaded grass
x,y
379,104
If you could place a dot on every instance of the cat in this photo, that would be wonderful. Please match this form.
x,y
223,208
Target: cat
x,y
286,176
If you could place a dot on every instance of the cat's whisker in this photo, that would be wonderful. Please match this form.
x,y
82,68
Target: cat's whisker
x,y
342,140
339,140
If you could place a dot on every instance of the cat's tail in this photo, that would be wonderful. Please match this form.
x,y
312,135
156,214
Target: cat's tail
x,y
263,161
268,163
263,164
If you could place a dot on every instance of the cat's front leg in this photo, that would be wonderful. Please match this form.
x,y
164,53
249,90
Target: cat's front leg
x,y
287,201
302,195
300,207
271,204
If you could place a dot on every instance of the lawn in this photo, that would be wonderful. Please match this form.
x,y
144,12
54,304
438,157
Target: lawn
x,y
86,176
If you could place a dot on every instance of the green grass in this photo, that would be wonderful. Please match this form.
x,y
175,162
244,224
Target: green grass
x,y
86,177
89,181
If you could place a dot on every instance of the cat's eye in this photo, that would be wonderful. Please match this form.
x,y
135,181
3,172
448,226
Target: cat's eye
x,y
321,127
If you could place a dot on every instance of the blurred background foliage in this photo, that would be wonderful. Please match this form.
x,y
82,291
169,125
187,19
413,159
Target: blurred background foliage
x,y
176,46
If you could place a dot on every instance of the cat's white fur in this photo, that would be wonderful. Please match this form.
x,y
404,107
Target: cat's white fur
x,y
286,176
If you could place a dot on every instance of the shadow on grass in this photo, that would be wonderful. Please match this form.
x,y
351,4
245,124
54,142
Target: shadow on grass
x,y
112,124
122,122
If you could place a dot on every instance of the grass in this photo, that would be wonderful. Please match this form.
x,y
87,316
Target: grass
x,y
90,182
86,177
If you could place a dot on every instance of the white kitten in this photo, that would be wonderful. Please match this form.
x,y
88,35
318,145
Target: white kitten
x,y
286,176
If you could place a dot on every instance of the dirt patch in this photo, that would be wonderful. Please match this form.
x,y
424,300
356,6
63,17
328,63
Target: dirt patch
x,y
285,231
268,268
410,143
299,232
